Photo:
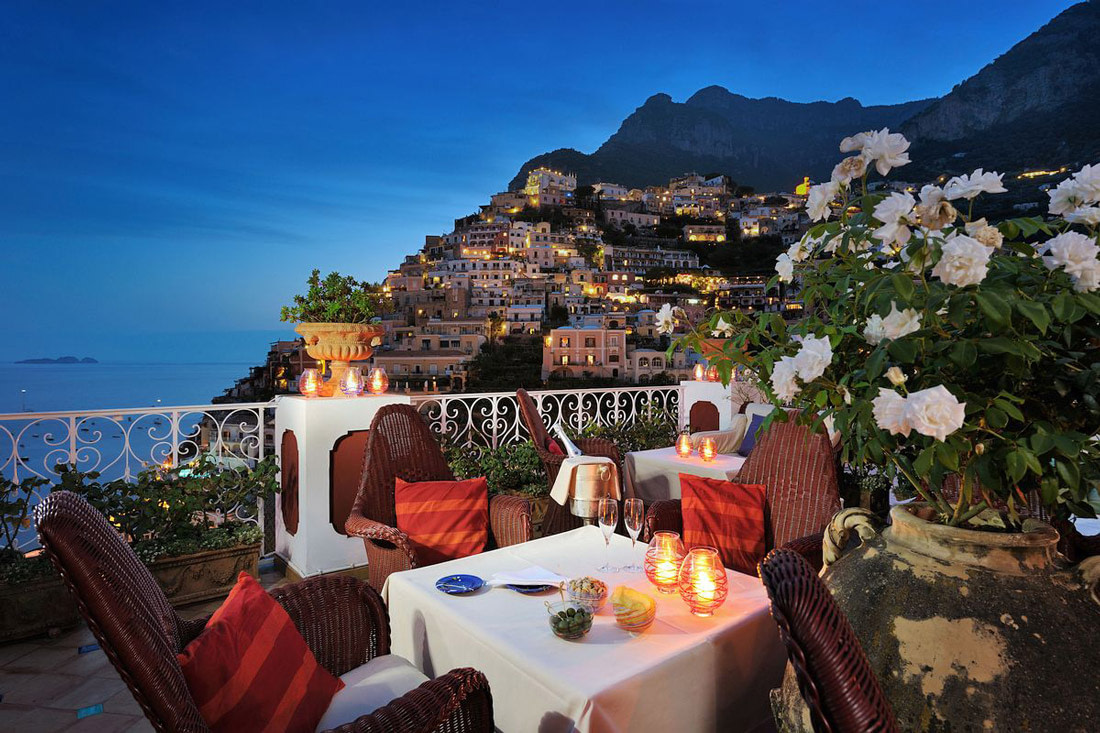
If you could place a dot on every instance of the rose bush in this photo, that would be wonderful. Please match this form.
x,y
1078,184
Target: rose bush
x,y
939,344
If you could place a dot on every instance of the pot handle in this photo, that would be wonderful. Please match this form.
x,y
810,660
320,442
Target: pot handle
x,y
862,521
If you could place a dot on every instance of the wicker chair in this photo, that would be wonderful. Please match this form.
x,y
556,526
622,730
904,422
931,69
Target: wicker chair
x,y
343,620
834,676
798,468
401,445
558,518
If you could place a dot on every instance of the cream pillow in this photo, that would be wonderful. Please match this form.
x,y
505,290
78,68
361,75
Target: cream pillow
x,y
726,441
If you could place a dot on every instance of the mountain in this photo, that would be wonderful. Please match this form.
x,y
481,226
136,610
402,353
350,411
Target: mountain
x,y
1036,105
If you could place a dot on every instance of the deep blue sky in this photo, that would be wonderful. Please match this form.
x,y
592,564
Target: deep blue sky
x,y
170,172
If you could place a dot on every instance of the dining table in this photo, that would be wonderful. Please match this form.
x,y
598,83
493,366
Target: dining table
x,y
683,673
654,475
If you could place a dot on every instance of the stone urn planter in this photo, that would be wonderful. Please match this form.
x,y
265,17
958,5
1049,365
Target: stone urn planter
x,y
35,607
966,630
203,576
338,344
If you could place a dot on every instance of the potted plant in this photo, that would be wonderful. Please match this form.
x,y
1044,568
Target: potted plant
x,y
193,526
33,598
336,318
513,469
961,358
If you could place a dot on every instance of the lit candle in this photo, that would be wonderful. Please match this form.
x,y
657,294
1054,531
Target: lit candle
x,y
309,384
699,373
708,450
662,561
683,445
351,383
702,581
378,382
712,373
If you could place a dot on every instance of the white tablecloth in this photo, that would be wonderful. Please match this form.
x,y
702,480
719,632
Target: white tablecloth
x,y
651,475
682,674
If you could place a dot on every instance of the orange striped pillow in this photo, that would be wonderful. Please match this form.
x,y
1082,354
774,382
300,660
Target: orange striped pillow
x,y
443,519
727,516
250,668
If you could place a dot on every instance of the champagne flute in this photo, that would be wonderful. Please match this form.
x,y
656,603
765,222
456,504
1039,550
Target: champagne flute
x,y
633,516
608,517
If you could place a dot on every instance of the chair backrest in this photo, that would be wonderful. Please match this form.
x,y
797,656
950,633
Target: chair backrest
x,y
529,414
400,445
797,466
123,605
834,676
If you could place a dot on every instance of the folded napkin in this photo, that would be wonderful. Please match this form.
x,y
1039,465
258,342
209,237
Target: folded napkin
x,y
533,575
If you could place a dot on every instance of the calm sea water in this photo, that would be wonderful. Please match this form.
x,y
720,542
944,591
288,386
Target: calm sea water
x,y
93,386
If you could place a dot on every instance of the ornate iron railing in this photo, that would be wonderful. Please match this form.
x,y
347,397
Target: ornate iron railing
x,y
120,443
491,419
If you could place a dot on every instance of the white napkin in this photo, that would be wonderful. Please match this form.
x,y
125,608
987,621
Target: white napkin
x,y
533,575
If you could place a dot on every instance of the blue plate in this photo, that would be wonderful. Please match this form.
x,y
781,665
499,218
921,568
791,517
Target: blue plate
x,y
529,589
456,585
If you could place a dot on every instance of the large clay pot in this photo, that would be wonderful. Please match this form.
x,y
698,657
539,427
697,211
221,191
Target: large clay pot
x,y
338,344
967,630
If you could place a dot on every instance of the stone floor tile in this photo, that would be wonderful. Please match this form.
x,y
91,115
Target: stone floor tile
x,y
123,703
61,659
102,723
142,726
29,719
11,652
39,689
92,691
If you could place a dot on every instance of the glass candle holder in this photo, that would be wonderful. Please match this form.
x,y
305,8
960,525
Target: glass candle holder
x,y
683,444
708,450
309,383
712,374
662,561
702,581
351,382
378,382
699,373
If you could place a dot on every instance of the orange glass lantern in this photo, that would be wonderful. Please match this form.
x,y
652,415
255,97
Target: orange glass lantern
x,y
378,382
712,373
699,373
351,382
662,561
683,444
309,383
702,581
708,450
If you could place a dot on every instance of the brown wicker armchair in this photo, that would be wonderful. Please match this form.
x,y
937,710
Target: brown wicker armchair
x,y
834,676
797,467
558,518
401,445
343,620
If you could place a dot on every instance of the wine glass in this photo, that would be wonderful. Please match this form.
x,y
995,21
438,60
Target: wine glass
x,y
608,517
633,515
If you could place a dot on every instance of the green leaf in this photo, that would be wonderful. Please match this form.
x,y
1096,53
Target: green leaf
x,y
1000,345
1011,409
1062,306
996,418
1069,472
1035,312
1041,443
994,307
875,365
948,456
923,464
1016,465
903,284
964,353
903,350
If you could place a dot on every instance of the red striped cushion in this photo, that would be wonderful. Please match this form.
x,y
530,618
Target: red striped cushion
x,y
727,516
443,519
250,668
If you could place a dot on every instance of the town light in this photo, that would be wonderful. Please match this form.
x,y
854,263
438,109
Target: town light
x,y
378,382
702,581
309,384
351,382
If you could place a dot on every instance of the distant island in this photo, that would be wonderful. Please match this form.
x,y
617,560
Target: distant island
x,y
60,360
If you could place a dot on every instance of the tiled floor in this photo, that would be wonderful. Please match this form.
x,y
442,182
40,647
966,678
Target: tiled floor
x,y
45,682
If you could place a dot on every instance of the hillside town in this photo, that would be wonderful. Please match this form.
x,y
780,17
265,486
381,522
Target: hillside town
x,y
578,271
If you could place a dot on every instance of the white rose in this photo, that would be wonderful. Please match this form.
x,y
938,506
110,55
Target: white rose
x,y
722,329
1088,182
965,261
988,235
665,321
935,211
845,393
785,267
887,149
854,143
1088,215
890,413
1065,197
968,187
798,252
849,168
934,412
875,331
783,379
819,198
893,212
813,357
896,376
1088,279
900,323
1071,250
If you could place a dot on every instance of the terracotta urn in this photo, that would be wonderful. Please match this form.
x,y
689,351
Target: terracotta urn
x,y
338,344
965,629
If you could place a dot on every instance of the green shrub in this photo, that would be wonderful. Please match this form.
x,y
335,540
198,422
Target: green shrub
x,y
658,430
513,468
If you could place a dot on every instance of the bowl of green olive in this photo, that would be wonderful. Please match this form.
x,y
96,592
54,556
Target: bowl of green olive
x,y
569,619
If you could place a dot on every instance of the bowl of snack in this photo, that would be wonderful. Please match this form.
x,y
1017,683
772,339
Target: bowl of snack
x,y
591,592
634,611
569,619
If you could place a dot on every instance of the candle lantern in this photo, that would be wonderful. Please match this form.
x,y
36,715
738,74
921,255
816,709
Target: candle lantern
x,y
683,444
708,450
309,383
378,382
702,581
699,372
351,382
712,374
662,561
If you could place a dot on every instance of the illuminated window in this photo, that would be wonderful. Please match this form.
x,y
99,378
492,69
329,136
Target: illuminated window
x,y
564,342
590,359
564,360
